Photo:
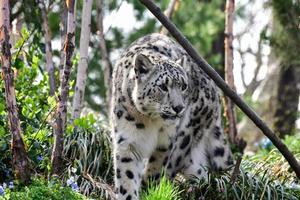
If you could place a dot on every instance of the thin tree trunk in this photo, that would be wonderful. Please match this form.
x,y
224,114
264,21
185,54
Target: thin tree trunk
x,y
218,48
20,158
287,101
61,118
83,62
49,61
229,106
104,53
63,32
169,12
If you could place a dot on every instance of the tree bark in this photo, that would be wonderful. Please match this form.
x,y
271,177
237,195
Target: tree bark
x,y
63,32
222,85
229,79
20,158
107,66
286,44
49,56
287,101
169,12
61,118
83,62
218,48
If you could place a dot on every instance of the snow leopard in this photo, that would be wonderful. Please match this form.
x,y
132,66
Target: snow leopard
x,y
165,116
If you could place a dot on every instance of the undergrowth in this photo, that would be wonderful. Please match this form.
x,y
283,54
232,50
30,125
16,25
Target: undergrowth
x,y
266,175
42,190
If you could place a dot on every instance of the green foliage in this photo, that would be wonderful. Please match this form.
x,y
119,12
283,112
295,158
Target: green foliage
x,y
202,26
285,37
42,190
166,190
31,86
247,186
88,149
270,163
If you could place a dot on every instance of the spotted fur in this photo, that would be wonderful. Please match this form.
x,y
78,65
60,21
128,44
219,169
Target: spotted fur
x,y
165,114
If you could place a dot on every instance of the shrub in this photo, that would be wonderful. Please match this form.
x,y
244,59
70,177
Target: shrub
x,y
42,190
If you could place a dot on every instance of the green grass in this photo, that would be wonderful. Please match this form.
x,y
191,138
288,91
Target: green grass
x,y
270,162
247,186
165,190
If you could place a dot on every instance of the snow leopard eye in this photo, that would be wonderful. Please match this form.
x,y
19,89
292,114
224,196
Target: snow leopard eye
x,y
163,87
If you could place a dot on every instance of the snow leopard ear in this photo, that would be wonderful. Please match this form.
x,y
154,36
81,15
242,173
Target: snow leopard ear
x,y
182,61
142,64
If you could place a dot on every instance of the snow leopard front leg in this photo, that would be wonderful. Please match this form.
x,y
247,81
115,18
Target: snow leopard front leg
x,y
128,167
159,157
132,146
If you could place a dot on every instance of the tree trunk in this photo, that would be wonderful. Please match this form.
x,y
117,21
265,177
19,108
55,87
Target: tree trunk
x,y
49,61
219,49
286,40
287,101
104,53
20,158
63,32
83,62
229,106
61,118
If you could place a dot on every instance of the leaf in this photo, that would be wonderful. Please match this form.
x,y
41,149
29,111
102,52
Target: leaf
x,y
19,63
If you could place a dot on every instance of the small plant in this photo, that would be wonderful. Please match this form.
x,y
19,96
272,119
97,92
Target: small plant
x,y
166,190
88,149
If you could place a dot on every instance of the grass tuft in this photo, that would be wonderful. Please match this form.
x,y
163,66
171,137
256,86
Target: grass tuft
x,y
166,190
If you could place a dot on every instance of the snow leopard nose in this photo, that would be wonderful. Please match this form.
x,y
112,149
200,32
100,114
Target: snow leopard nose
x,y
178,108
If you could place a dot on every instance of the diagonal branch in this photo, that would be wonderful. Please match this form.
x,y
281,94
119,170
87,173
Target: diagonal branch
x,y
225,88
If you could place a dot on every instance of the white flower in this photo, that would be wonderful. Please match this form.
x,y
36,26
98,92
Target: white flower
x,y
2,192
70,180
